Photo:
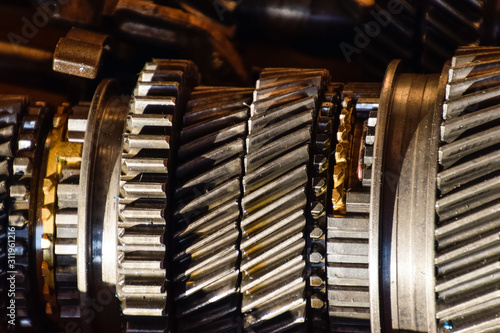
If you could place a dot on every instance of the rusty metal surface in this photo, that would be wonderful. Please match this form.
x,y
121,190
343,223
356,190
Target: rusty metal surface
x,y
79,53
186,27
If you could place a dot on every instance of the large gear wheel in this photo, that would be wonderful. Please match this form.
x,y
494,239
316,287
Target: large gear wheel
x,y
274,248
467,231
149,149
448,24
208,198
426,33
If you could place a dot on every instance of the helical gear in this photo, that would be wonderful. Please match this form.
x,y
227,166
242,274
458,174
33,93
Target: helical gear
x,y
467,233
207,221
299,205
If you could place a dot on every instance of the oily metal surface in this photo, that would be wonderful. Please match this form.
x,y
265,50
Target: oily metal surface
x,y
377,188
60,220
99,157
414,124
150,146
275,200
348,274
208,193
448,24
348,229
467,229
320,154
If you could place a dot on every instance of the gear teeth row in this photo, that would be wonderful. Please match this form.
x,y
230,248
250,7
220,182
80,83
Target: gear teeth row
x,y
439,26
449,23
467,234
275,202
343,152
348,280
368,141
208,195
11,111
394,37
146,163
60,212
320,168
348,227
23,215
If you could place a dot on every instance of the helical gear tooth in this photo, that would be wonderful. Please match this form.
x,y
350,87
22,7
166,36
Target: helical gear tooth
x,y
347,235
208,216
279,151
227,135
448,24
155,112
467,232
342,155
254,160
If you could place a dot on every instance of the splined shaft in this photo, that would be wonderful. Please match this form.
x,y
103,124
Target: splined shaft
x,y
297,205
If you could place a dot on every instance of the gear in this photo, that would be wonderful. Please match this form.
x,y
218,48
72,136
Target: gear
x,y
467,270
275,199
342,156
320,169
348,227
148,151
367,147
395,39
24,192
439,27
60,215
11,111
208,199
448,24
